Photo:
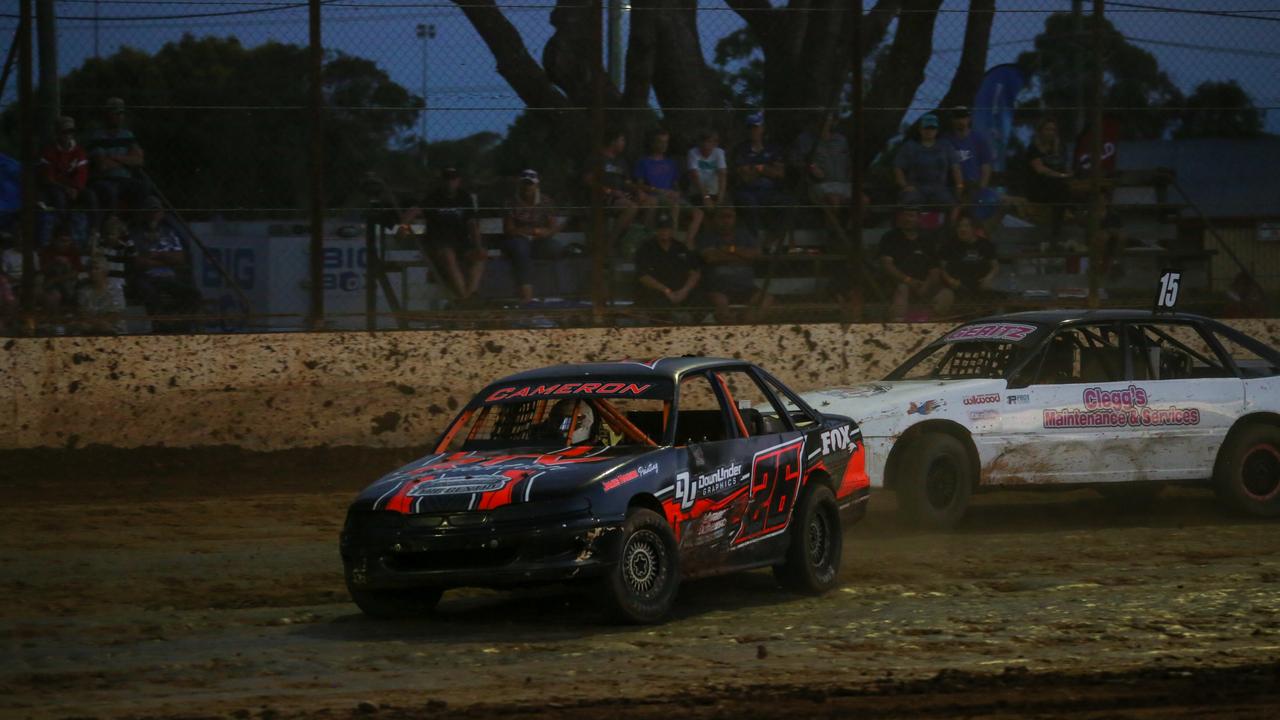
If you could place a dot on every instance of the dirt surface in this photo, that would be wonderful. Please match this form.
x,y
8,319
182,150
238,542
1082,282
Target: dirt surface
x,y
218,593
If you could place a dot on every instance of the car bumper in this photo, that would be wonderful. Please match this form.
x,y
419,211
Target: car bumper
x,y
389,550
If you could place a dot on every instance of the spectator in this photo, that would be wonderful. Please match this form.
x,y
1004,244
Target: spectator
x,y
115,160
10,280
708,178
162,273
972,158
667,271
61,267
823,157
608,170
527,227
658,175
729,252
452,237
969,263
912,265
101,301
64,172
758,173
924,167
1047,175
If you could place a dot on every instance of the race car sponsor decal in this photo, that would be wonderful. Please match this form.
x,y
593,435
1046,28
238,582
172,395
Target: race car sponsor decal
x,y
836,439
775,483
630,475
926,407
982,399
689,488
1013,332
460,486
1119,408
983,414
569,388
1018,399
858,391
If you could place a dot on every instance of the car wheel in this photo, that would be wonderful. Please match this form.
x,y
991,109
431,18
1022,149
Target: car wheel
x,y
934,482
812,565
1130,496
1247,476
397,603
642,586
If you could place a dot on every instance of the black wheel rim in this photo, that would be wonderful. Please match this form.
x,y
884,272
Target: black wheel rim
x,y
1260,472
941,484
644,563
818,540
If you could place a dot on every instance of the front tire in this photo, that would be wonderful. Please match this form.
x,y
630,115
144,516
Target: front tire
x,y
397,603
812,565
935,482
1247,476
641,587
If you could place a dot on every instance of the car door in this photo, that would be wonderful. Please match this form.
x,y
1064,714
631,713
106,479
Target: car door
x,y
1191,398
734,499
1070,423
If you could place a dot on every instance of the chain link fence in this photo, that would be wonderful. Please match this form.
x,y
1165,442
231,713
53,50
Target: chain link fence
x,y
539,163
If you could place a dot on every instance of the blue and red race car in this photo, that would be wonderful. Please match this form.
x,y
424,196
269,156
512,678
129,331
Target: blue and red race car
x,y
631,475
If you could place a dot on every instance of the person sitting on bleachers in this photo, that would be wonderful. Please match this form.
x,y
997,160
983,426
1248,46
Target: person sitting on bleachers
x,y
923,168
452,238
529,223
667,271
64,172
912,266
822,155
969,262
60,265
608,170
115,158
162,272
972,159
658,175
729,252
759,174
708,178
1047,174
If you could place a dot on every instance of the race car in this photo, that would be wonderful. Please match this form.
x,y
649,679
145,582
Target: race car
x,y
629,475
1124,400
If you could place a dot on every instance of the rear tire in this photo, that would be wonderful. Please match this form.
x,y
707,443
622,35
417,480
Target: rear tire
x,y
812,565
397,603
934,482
1247,475
641,587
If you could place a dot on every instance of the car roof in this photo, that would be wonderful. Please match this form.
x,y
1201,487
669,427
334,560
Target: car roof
x,y
670,368
1063,317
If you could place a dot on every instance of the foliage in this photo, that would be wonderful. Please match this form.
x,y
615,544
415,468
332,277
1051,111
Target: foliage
x,y
1219,109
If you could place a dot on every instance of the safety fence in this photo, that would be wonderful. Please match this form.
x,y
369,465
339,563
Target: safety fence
x,y
243,165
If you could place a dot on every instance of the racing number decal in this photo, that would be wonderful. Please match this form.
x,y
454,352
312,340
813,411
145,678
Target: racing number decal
x,y
775,483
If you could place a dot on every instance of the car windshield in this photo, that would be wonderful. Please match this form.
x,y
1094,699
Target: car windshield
x,y
983,350
564,413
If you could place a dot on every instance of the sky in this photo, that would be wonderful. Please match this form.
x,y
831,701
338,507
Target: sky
x,y
466,95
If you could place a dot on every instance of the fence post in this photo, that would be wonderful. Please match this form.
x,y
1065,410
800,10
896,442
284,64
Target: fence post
x,y
1095,158
27,152
47,50
316,254
855,302
599,243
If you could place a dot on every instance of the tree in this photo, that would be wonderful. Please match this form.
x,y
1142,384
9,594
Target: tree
x,y
227,127
1063,61
1219,109
806,55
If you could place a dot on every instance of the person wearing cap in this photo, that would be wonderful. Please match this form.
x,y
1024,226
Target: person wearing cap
x,y
529,223
759,171
729,252
452,238
607,169
115,158
64,170
912,266
972,157
162,271
821,155
667,271
924,168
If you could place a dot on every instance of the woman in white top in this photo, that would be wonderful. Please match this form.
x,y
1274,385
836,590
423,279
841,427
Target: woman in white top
x,y
708,177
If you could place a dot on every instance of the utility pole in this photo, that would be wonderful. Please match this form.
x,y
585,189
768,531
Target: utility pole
x,y
426,32
316,58
47,38
615,42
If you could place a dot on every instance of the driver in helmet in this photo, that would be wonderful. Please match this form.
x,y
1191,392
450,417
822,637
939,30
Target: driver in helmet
x,y
562,417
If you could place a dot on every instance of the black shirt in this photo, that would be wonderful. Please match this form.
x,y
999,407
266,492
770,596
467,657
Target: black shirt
x,y
914,258
1042,188
448,216
671,267
969,262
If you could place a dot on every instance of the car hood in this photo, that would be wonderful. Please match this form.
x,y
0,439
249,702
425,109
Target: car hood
x,y
879,407
447,482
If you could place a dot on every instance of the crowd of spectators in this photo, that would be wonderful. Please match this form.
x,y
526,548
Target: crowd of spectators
x,y
103,238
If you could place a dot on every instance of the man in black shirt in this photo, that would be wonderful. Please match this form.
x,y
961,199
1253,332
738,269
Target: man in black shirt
x,y
667,271
452,238
912,266
969,262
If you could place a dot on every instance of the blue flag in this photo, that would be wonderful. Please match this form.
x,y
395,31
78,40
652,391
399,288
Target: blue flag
x,y
993,110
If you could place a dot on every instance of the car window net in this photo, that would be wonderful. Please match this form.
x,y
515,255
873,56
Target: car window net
x,y
955,361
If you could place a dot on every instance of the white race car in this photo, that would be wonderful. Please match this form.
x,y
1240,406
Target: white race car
x,y
1120,399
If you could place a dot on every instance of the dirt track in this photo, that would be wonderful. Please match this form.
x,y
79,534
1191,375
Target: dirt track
x,y
220,595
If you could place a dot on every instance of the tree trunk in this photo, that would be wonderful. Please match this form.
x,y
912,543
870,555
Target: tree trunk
x,y
515,64
898,74
570,59
973,60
